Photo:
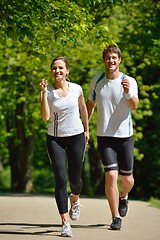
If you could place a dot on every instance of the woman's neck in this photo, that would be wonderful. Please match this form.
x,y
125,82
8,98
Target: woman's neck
x,y
62,88
61,85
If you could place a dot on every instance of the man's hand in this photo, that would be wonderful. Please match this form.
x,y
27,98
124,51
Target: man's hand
x,y
126,85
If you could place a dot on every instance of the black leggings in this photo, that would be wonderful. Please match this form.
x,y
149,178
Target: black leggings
x,y
59,149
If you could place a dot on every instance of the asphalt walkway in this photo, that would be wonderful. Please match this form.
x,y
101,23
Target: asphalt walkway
x,y
35,218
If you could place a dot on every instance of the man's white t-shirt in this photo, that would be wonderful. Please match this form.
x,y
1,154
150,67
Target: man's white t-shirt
x,y
114,116
64,112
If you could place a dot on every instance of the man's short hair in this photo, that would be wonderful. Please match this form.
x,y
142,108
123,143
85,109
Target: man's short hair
x,y
112,49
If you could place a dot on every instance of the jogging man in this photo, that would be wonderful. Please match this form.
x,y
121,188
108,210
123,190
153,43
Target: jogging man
x,y
115,94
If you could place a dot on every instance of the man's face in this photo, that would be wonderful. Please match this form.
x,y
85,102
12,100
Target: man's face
x,y
112,62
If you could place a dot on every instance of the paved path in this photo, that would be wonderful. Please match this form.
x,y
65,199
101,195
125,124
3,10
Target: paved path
x,y
36,218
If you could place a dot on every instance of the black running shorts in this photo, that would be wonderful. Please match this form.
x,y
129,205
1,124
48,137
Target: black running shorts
x,y
117,154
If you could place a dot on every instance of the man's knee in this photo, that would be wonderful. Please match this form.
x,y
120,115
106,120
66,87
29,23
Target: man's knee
x,y
127,180
111,178
111,174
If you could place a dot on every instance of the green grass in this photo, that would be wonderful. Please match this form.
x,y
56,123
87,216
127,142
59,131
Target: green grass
x,y
5,178
154,202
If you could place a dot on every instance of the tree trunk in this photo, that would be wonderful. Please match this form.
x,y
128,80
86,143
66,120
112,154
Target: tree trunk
x,y
96,170
20,152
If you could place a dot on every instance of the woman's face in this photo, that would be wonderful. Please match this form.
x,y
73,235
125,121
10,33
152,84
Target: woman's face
x,y
59,70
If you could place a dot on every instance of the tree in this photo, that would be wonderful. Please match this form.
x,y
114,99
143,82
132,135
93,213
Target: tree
x,y
32,33
139,38
28,30
17,104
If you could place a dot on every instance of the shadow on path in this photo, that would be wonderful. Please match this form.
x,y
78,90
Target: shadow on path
x,y
34,229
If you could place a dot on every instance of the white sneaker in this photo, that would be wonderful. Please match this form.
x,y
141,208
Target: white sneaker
x,y
66,230
74,211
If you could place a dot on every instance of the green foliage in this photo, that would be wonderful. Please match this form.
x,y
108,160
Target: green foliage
x,y
143,61
46,21
154,202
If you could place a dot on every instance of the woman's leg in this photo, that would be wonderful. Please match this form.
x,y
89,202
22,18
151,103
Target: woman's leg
x,y
75,153
57,156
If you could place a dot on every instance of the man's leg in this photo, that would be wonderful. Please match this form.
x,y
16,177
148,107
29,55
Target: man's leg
x,y
126,162
127,183
107,147
111,190
112,195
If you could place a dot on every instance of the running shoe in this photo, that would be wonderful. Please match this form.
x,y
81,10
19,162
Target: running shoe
x,y
74,211
66,230
116,223
123,207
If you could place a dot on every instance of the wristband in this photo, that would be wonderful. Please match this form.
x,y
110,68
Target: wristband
x,y
128,95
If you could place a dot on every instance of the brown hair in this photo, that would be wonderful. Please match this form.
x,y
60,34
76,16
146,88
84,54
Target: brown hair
x,y
60,58
112,49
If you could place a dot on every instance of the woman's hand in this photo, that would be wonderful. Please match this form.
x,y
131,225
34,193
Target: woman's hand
x,y
45,111
43,85
86,135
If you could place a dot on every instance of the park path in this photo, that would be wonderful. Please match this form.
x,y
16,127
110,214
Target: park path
x,y
32,217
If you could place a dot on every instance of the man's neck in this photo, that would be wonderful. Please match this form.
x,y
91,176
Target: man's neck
x,y
113,75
